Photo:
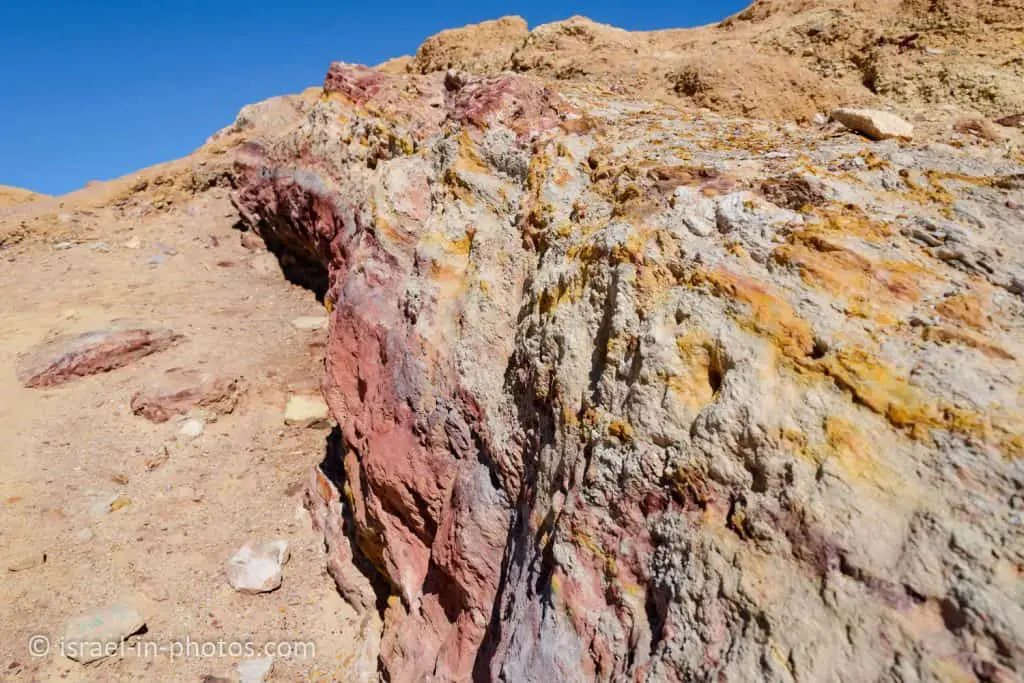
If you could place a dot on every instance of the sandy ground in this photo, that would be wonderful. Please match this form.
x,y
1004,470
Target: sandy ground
x,y
67,451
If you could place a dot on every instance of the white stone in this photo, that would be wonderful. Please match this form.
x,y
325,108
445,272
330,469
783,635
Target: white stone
x,y
875,124
307,411
96,634
192,429
310,322
254,670
257,569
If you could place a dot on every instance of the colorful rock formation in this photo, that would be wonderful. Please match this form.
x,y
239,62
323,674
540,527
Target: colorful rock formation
x,y
628,391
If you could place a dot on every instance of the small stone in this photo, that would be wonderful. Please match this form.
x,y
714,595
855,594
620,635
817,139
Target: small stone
x,y
254,670
310,322
62,246
158,460
120,503
25,561
306,411
252,241
875,124
153,590
133,243
257,569
820,119
84,535
157,260
96,634
192,429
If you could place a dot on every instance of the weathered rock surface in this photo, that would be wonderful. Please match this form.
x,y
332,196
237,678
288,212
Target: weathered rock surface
x,y
67,358
628,392
98,633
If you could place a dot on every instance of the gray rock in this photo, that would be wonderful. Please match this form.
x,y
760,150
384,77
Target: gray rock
x,y
98,633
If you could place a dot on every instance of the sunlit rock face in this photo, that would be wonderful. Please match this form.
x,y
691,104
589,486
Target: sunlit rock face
x,y
631,392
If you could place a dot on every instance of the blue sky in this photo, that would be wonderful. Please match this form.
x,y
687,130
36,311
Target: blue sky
x,y
94,90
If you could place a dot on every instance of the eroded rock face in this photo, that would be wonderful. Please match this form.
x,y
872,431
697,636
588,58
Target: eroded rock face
x,y
628,393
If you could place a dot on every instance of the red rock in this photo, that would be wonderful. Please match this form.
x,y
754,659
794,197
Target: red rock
x,y
179,391
92,353
1012,121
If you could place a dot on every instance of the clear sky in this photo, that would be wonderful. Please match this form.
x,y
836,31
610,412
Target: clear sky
x,y
90,90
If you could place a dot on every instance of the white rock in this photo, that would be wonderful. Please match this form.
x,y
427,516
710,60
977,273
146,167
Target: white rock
x,y
257,569
192,429
96,634
254,670
310,322
693,210
133,243
153,590
875,124
307,411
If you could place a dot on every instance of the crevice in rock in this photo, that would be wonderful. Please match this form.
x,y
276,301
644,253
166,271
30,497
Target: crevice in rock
x,y
332,467
299,263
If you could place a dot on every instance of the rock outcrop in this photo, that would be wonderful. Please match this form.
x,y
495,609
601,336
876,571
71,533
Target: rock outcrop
x,y
628,392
